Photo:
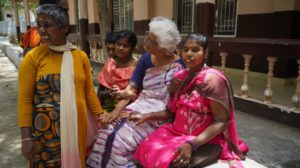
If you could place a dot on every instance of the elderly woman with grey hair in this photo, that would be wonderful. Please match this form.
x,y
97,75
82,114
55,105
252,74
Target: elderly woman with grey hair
x,y
55,94
115,145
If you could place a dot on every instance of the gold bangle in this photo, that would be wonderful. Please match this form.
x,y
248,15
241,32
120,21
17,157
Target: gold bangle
x,y
27,139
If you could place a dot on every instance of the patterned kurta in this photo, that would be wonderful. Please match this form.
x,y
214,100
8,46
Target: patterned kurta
x,y
39,101
116,145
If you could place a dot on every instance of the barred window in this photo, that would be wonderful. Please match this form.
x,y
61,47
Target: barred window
x,y
123,14
184,15
225,21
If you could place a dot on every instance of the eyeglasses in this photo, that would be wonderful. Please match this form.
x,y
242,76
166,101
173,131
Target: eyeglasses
x,y
45,25
148,39
146,33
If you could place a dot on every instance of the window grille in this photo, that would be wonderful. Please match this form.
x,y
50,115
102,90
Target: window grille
x,y
225,21
123,14
184,17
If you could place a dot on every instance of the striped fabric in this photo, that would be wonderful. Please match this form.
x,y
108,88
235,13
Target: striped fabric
x,y
116,145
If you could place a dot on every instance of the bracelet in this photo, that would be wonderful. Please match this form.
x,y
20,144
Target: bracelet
x,y
193,144
27,139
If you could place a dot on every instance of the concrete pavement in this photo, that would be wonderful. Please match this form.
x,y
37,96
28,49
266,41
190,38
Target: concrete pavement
x,y
10,143
271,144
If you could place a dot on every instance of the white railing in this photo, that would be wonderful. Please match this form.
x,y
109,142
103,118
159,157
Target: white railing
x,y
272,50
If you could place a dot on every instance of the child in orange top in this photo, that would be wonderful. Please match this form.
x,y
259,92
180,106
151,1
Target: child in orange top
x,y
117,70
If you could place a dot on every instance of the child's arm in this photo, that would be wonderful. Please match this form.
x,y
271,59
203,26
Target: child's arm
x,y
124,96
107,118
139,118
130,92
102,91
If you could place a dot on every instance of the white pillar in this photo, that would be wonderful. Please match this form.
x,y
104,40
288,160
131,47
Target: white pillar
x,y
296,96
268,93
223,60
245,86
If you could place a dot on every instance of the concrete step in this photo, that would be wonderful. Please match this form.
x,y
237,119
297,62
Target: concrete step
x,y
247,163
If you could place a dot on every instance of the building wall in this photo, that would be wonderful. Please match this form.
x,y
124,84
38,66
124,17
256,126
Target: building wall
x,y
93,11
144,10
140,9
255,6
161,8
141,16
93,17
297,5
286,5
72,15
265,6
268,19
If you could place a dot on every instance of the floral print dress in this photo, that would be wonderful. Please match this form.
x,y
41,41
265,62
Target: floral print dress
x,y
192,116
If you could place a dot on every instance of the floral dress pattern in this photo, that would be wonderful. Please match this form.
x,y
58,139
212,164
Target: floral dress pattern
x,y
192,116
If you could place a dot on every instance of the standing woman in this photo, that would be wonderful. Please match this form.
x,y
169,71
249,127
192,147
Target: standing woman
x,y
116,145
55,92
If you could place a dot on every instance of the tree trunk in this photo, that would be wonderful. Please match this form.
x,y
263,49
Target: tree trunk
x,y
105,23
1,17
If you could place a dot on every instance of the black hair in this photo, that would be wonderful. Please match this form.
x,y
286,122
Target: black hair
x,y
42,2
110,37
199,38
129,35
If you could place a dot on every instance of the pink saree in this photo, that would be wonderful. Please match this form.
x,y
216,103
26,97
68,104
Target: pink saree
x,y
193,116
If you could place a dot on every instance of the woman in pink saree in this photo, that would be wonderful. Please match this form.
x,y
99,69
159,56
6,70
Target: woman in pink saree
x,y
203,130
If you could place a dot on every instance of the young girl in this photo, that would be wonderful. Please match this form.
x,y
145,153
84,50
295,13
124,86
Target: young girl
x,y
204,127
118,70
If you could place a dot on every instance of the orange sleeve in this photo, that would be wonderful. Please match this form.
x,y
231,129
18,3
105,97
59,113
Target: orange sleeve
x,y
27,77
91,97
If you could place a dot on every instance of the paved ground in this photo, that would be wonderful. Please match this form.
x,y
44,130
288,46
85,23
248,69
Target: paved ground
x,y
10,143
272,144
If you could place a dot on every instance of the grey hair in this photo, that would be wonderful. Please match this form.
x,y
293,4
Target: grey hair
x,y
166,32
59,13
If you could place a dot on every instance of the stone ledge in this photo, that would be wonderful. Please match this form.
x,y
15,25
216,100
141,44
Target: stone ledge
x,y
281,114
13,52
248,163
